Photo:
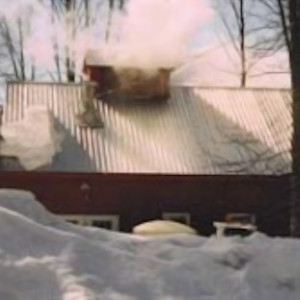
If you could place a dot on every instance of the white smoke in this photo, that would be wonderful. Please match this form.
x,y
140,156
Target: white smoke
x,y
150,33
156,33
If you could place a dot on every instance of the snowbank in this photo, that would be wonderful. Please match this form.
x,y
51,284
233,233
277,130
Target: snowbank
x,y
41,257
33,140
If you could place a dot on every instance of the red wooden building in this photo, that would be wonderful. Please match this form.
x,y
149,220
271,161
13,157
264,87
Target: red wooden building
x,y
202,154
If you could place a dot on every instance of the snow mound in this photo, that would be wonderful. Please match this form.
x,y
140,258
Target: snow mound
x,y
42,257
25,203
157,227
33,140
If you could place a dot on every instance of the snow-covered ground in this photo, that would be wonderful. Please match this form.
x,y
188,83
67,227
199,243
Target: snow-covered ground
x,y
44,258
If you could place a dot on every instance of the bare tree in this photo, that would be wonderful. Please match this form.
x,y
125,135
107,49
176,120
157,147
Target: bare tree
x,y
234,17
73,16
78,15
55,42
113,5
12,36
287,34
257,29
70,17
272,29
278,28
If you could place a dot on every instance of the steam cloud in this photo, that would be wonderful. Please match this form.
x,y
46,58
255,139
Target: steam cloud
x,y
156,33
151,33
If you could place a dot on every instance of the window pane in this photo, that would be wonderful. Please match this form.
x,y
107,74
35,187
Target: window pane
x,y
183,218
73,221
102,224
179,220
237,231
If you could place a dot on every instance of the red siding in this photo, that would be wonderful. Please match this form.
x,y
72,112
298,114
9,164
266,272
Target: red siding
x,y
138,198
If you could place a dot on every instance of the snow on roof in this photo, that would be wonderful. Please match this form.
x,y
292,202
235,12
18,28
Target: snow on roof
x,y
51,259
33,140
205,130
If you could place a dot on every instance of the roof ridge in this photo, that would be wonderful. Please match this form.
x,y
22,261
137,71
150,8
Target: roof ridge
x,y
232,88
29,82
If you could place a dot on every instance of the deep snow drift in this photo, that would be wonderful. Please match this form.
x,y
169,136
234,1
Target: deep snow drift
x,y
44,258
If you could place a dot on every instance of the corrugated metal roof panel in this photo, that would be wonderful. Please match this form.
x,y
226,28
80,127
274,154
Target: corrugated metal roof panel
x,y
198,131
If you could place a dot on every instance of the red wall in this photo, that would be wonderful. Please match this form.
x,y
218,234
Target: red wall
x,y
105,77
138,198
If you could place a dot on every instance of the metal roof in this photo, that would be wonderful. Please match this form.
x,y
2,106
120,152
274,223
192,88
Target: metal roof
x,y
197,131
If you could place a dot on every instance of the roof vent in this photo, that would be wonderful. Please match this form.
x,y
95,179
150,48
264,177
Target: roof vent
x,y
90,116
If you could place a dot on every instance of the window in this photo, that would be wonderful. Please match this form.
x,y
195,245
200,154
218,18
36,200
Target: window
x,y
243,232
77,220
184,218
241,218
231,229
102,224
102,221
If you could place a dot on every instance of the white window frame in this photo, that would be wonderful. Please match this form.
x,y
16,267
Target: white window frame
x,y
251,217
172,216
87,220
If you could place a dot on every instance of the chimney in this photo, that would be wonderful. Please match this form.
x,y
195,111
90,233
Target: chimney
x,y
138,83
89,115
126,81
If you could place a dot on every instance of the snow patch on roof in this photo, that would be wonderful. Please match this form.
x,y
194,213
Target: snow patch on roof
x,y
33,140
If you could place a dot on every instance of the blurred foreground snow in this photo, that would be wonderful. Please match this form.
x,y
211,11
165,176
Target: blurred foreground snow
x,y
44,258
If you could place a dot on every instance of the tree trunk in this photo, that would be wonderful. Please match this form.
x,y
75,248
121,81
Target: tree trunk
x,y
294,11
109,20
284,24
87,12
55,43
21,45
10,47
69,5
242,44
